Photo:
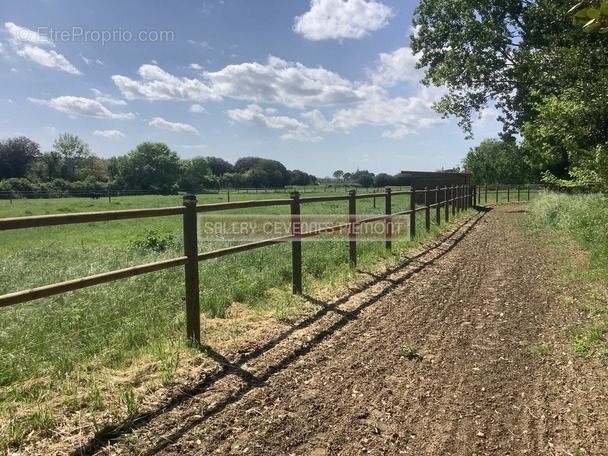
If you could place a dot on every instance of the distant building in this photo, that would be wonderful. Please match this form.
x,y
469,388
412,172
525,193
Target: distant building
x,y
422,179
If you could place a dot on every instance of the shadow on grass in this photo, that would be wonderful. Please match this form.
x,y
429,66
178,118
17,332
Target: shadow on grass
x,y
111,433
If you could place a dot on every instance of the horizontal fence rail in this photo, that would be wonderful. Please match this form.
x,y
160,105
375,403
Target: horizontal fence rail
x,y
444,202
496,193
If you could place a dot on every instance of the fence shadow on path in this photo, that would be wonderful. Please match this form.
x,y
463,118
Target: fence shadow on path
x,y
112,433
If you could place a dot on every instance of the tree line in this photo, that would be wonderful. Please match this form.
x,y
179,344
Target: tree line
x,y
152,166
366,179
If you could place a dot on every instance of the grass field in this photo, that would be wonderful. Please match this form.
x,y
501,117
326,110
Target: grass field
x,y
55,347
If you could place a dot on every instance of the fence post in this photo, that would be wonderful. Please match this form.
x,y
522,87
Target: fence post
x,y
296,244
437,207
413,213
193,310
427,209
486,200
463,197
473,196
496,193
388,209
454,202
352,235
447,205
508,193
458,198
528,192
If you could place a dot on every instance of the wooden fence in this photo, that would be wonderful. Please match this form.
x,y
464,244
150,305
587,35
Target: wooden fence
x,y
494,194
439,203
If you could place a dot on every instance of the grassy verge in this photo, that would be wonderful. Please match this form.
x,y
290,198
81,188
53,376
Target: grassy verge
x,y
94,354
583,221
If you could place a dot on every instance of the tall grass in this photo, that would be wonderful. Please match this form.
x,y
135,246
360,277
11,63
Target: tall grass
x,y
583,218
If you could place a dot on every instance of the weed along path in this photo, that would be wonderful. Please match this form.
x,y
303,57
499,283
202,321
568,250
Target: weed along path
x,y
462,350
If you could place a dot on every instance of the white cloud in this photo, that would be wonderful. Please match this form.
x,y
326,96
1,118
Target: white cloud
x,y
255,115
26,44
398,66
195,66
287,83
157,84
163,124
415,30
25,35
301,136
90,61
277,81
79,106
110,134
331,102
403,116
50,59
338,19
197,109
202,44
107,99
265,118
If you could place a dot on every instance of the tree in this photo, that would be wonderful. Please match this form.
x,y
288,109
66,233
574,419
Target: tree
x,y
195,174
219,166
338,174
591,15
568,139
498,52
363,177
297,177
519,56
74,152
383,180
150,166
52,161
262,172
17,155
498,162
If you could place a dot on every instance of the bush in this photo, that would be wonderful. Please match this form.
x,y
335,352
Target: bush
x,y
153,241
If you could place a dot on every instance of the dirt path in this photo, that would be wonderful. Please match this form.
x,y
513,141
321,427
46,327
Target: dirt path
x,y
476,306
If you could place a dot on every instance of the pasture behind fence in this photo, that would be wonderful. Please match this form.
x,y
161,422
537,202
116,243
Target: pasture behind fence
x,y
435,205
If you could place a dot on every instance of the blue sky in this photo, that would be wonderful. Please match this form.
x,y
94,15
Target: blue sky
x,y
318,84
